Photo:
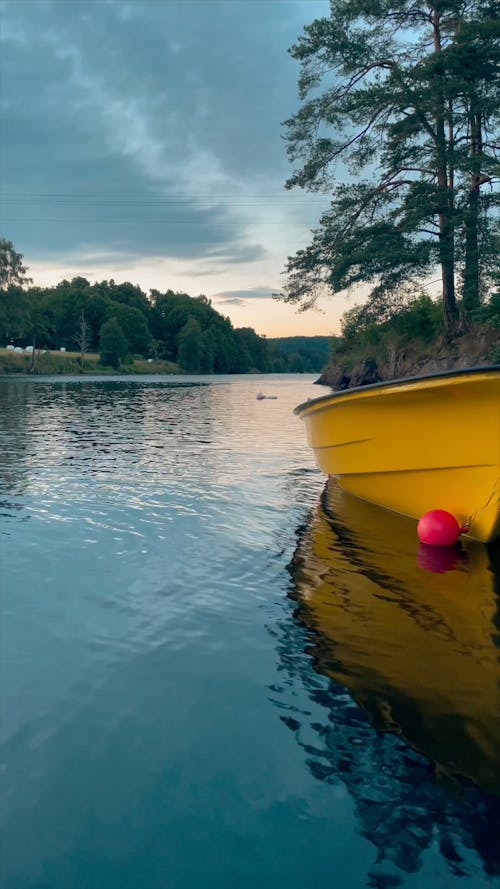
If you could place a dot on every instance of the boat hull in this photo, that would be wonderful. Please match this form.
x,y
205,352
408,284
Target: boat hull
x,y
416,445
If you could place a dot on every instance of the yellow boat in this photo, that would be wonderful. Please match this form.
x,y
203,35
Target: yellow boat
x,y
417,444
415,644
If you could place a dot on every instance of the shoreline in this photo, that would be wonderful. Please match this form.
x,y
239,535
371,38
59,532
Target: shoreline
x,y
411,358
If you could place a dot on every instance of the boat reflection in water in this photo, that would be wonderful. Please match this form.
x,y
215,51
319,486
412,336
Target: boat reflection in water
x,y
408,722
411,631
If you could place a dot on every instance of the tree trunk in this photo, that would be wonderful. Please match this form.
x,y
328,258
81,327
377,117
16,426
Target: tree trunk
x,y
470,293
446,256
471,269
445,209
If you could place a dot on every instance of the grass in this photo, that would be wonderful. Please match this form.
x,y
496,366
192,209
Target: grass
x,y
47,362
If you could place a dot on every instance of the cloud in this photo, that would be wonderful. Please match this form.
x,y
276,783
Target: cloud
x,y
252,293
238,253
151,130
234,301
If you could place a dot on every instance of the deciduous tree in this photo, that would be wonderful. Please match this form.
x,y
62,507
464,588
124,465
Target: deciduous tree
x,y
190,346
113,344
13,272
83,336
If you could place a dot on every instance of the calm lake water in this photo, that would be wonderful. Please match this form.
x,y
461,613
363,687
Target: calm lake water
x,y
217,672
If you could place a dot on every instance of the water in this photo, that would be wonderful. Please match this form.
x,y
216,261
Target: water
x,y
212,668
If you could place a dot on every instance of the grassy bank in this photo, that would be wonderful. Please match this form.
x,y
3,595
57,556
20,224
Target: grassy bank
x,y
68,363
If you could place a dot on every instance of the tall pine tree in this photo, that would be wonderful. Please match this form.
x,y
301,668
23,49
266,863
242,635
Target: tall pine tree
x,y
400,99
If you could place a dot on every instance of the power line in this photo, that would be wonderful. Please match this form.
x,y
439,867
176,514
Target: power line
x,y
154,202
214,224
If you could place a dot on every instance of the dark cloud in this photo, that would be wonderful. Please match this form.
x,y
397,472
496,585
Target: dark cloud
x,y
237,253
231,302
146,129
253,293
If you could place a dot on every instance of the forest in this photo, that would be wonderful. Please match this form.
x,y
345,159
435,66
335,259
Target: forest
x,y
120,322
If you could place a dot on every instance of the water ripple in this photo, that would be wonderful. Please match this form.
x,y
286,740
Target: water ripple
x,y
146,529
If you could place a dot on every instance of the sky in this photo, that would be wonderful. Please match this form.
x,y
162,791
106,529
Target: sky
x,y
141,140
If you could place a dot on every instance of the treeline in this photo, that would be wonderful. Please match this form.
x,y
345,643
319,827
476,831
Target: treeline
x,y
301,354
119,321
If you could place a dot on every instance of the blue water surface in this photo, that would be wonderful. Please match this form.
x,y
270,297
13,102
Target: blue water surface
x,y
164,723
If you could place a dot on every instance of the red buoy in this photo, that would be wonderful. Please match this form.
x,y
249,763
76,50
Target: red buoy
x,y
438,528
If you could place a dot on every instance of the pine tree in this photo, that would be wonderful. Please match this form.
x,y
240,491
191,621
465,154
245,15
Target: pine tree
x,y
404,93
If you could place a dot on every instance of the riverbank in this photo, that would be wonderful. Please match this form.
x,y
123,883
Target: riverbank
x,y
70,363
399,358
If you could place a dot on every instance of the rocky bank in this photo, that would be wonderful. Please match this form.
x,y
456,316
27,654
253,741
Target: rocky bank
x,y
471,349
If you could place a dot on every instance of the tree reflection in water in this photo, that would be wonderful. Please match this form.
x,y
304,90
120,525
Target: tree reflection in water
x,y
418,650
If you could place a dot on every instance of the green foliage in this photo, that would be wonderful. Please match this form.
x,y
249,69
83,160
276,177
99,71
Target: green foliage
x,y
252,351
367,337
134,325
413,122
489,313
190,346
127,295
170,313
62,308
113,343
207,361
421,320
12,269
15,317
299,354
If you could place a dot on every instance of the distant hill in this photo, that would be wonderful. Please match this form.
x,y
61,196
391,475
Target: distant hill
x,y
303,354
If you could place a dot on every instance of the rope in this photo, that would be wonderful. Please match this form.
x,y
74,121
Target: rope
x,y
466,526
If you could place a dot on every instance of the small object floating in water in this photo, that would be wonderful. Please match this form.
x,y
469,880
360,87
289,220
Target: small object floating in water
x,y
437,527
261,397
